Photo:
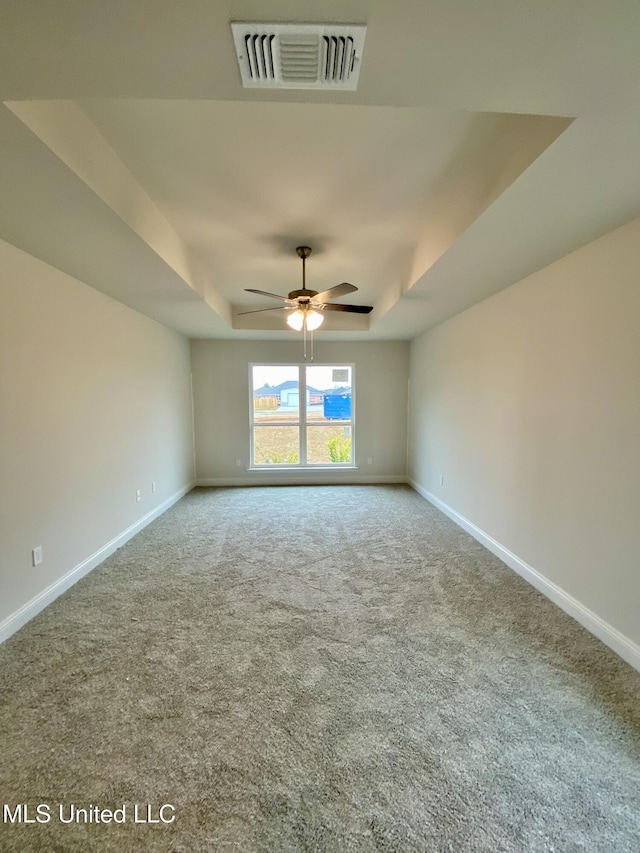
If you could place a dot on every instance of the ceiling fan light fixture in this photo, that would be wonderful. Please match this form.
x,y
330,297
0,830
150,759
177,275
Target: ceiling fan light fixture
x,y
305,317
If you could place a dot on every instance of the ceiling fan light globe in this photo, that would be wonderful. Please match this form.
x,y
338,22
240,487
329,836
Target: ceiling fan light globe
x,y
296,320
314,320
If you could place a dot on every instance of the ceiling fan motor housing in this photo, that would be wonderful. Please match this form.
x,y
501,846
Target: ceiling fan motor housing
x,y
303,295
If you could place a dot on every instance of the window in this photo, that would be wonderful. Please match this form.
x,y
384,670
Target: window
x,y
301,415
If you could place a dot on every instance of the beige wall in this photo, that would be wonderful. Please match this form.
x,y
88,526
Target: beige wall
x,y
528,405
95,404
221,405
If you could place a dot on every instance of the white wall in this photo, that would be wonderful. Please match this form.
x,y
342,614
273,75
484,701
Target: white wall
x,y
221,406
528,405
95,404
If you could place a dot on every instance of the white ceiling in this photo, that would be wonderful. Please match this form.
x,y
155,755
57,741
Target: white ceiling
x,y
485,141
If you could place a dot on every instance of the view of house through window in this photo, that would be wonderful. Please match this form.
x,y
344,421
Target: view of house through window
x,y
301,414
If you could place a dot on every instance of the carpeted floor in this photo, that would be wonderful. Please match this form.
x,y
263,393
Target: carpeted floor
x,y
315,669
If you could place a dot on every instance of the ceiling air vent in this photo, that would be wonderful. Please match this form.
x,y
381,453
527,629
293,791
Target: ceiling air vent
x,y
299,56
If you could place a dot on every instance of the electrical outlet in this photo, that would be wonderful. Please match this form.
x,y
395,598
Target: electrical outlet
x,y
138,496
153,486
238,463
369,460
441,480
36,555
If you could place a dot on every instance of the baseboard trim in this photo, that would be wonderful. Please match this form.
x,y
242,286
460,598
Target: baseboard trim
x,y
619,643
25,613
312,479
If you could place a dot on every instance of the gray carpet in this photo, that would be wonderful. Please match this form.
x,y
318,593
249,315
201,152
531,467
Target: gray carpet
x,y
316,669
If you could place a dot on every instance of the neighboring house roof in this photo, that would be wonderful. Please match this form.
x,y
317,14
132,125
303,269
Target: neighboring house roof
x,y
265,391
275,390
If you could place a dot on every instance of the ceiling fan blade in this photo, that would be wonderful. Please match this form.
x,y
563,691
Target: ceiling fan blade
x,y
259,310
354,309
266,293
334,292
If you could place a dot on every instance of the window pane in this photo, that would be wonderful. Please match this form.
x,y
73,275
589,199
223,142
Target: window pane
x,y
329,444
276,445
276,394
328,394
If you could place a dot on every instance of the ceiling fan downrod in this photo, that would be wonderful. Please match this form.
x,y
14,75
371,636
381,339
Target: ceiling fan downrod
x,y
303,252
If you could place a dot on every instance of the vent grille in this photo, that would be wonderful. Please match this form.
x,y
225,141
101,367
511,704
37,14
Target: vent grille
x,y
339,58
299,59
259,56
299,56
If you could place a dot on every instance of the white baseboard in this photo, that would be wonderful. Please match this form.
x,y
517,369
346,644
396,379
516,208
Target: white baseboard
x,y
621,645
310,479
21,616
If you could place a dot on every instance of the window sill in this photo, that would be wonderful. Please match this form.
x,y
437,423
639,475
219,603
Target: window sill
x,y
299,468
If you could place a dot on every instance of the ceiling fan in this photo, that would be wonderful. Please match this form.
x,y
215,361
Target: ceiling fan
x,y
306,305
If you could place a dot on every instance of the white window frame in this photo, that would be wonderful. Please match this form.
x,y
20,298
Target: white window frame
x,y
301,424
